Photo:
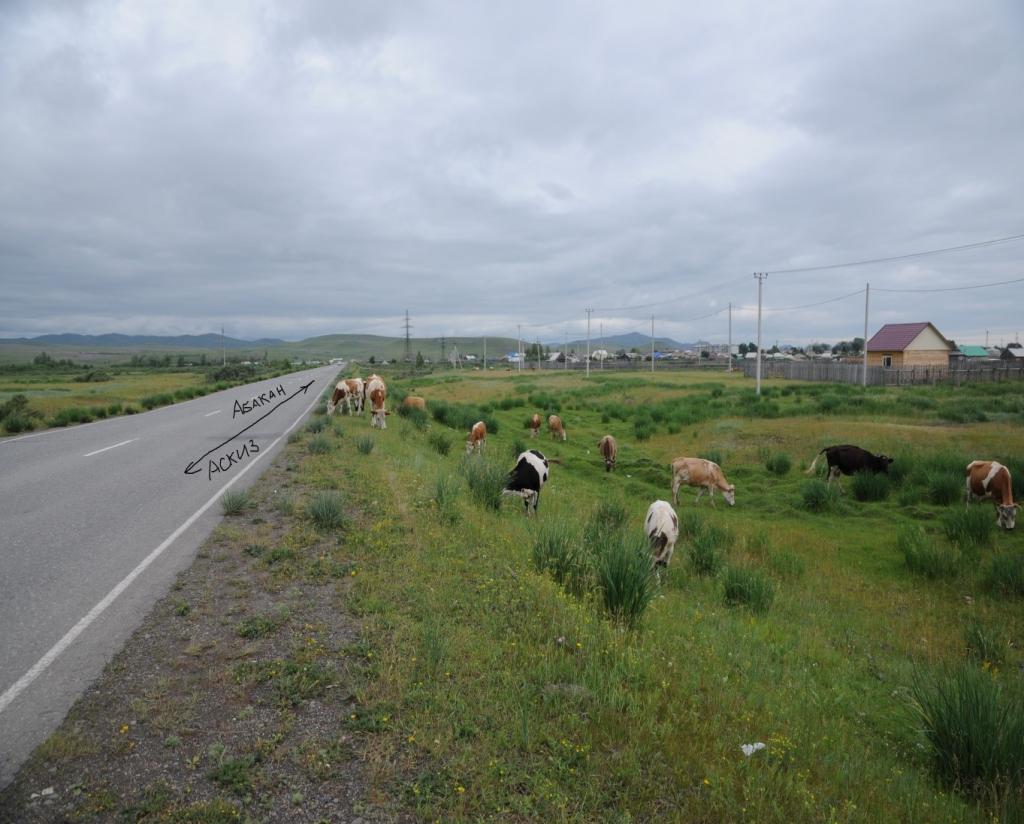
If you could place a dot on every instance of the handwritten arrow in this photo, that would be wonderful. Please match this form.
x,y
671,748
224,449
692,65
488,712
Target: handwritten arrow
x,y
194,468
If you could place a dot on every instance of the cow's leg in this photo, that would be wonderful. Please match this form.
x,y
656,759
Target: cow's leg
x,y
711,494
700,491
675,490
967,499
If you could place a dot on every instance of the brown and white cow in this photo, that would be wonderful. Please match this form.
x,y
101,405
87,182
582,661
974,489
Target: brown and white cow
x,y
609,449
366,386
703,473
356,388
340,394
661,526
477,437
377,393
991,480
555,427
414,402
534,425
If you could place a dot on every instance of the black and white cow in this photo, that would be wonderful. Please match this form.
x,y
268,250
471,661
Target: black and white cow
x,y
847,459
528,478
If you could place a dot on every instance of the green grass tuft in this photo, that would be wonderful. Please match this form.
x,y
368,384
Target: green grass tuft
x,y
1006,574
234,501
365,444
440,442
446,499
818,496
778,464
625,578
486,479
985,643
744,586
923,556
326,510
319,445
870,486
973,526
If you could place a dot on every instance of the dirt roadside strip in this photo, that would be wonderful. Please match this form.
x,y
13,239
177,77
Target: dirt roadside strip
x,y
228,703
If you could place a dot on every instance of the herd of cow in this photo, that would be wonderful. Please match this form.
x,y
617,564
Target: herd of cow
x,y
984,479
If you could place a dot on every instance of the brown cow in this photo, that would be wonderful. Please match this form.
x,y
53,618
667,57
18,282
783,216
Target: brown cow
x,y
355,391
477,437
414,402
703,473
341,393
555,427
534,425
609,449
377,392
991,480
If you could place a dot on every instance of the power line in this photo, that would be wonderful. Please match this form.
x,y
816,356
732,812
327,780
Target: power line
x,y
980,245
956,288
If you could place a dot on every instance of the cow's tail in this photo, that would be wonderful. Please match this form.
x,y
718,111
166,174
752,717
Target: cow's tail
x,y
814,463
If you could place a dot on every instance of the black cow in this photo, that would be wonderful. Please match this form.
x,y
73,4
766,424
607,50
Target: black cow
x,y
528,478
849,459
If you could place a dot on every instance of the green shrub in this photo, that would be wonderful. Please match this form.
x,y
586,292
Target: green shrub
x,y
715,456
317,424
365,444
973,526
446,495
258,626
486,480
153,401
17,422
319,445
518,448
778,464
706,558
973,730
416,416
557,551
744,586
441,443
625,577
690,524
608,518
115,409
870,486
69,415
234,501
1006,574
643,428
326,510
985,643
923,556
942,488
818,496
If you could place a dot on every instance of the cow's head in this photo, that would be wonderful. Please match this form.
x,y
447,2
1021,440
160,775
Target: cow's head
x,y
883,462
1007,515
730,495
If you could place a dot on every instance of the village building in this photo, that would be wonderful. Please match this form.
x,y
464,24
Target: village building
x,y
908,344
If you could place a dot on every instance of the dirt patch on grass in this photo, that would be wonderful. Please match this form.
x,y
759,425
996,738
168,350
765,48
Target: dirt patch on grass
x,y
229,702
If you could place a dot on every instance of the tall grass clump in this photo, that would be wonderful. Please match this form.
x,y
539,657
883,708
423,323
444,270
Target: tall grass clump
x,y
744,586
923,556
818,496
71,414
787,565
625,578
318,445
608,518
518,448
317,424
969,527
985,643
234,501
365,444
778,464
446,495
706,555
557,552
1006,574
326,510
691,523
870,486
486,480
440,442
416,416
943,488
973,729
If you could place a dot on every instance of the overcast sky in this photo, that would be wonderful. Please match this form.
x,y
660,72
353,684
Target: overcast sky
x,y
299,168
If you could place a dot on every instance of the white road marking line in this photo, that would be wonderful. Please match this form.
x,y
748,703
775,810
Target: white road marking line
x,y
215,412
52,654
104,449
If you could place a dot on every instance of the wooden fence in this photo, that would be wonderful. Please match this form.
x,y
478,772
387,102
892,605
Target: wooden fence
x,y
990,372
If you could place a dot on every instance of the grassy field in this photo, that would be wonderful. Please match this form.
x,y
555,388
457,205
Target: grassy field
x,y
871,641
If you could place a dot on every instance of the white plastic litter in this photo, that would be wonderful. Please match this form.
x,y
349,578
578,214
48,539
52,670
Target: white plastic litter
x,y
750,749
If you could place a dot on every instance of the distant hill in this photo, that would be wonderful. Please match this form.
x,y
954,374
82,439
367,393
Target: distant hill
x,y
209,341
627,341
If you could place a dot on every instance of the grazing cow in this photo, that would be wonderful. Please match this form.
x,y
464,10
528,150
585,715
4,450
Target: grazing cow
x,y
356,390
377,392
477,437
366,385
528,478
534,425
555,427
703,473
341,393
609,449
662,530
414,402
847,459
991,480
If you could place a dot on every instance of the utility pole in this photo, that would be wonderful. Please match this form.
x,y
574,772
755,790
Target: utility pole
x,y
602,343
867,296
730,338
442,350
565,351
588,311
519,349
485,354
408,343
224,356
760,282
652,344
986,336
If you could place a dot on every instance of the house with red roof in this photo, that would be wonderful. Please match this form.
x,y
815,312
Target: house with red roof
x,y
909,344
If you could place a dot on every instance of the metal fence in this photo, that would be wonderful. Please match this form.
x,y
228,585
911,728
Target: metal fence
x,y
990,372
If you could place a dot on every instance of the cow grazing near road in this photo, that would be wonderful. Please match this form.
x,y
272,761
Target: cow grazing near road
x,y
340,394
609,449
477,438
377,393
661,526
414,402
555,427
704,474
356,389
534,425
991,480
527,478
847,459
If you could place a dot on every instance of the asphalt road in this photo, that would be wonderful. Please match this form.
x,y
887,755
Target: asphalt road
x,y
96,521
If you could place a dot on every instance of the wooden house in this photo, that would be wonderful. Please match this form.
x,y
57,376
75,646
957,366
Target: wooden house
x,y
908,344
